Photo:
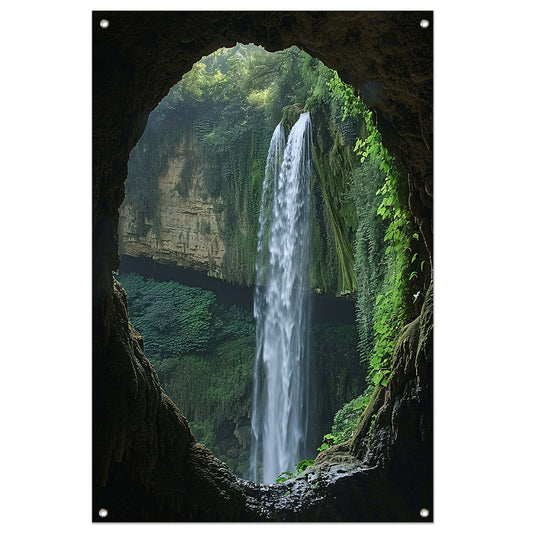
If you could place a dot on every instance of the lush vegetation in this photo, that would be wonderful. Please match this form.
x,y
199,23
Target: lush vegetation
x,y
386,260
394,235
203,351
160,309
364,241
227,106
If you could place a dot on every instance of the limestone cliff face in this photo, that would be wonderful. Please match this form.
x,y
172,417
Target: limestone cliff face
x,y
186,226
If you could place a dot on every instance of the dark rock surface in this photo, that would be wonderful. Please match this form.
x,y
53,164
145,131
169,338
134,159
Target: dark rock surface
x,y
147,464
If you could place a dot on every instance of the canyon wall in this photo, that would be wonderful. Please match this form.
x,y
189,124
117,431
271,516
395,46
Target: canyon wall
x,y
186,229
195,178
170,216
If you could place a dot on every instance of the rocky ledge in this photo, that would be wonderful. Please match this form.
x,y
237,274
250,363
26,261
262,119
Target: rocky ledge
x,y
155,470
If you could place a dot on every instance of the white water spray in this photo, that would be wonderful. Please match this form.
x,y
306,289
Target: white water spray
x,y
282,306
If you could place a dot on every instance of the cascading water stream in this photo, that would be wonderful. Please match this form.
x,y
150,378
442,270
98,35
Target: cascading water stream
x,y
282,306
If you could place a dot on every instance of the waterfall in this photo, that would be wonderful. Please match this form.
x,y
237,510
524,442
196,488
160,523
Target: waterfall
x,y
282,306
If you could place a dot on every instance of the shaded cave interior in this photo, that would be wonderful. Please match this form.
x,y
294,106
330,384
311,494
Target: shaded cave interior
x,y
147,464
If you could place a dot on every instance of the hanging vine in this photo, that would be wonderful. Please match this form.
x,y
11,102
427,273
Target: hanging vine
x,y
391,285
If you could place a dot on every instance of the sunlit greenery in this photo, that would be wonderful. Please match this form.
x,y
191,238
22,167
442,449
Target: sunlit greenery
x,y
385,260
364,240
203,351
227,106
389,314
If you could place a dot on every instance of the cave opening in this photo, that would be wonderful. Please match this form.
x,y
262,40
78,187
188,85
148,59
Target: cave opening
x,y
190,219
125,457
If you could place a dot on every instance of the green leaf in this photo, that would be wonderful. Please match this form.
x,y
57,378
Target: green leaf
x,y
284,476
302,465
329,437
360,402
375,362
376,379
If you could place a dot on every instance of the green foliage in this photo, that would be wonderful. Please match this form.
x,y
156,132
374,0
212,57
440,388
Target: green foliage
x,y
204,432
388,279
333,338
334,354
300,467
284,476
338,232
303,465
215,386
212,389
327,441
369,264
384,260
203,352
144,167
227,107
176,320
346,420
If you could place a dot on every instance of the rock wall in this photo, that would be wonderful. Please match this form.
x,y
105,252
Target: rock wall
x,y
189,224
170,213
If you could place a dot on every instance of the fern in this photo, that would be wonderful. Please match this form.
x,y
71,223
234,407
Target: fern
x,y
382,273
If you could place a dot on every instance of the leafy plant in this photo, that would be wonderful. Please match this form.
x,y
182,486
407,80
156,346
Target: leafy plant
x,y
303,465
391,275
177,320
328,441
300,467
346,420
284,476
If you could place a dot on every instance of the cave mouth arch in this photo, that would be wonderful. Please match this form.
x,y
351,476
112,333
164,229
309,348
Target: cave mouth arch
x,y
268,86
134,65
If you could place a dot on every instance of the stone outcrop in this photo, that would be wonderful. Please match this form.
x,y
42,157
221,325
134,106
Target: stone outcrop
x,y
189,229
159,472
147,464
364,478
